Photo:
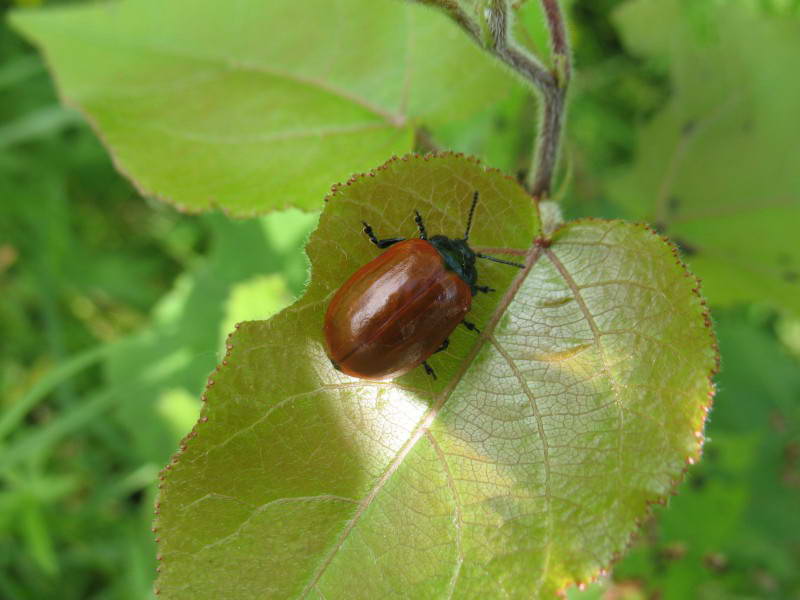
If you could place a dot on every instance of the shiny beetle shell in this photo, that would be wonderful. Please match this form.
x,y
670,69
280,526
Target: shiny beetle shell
x,y
395,311
401,307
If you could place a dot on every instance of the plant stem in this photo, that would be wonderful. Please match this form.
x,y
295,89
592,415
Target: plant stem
x,y
540,177
545,158
558,33
550,83
507,50
424,142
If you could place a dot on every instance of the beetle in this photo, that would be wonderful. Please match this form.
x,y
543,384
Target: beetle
x,y
397,310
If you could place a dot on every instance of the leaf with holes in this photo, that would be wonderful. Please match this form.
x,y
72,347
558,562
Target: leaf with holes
x,y
222,104
522,469
718,167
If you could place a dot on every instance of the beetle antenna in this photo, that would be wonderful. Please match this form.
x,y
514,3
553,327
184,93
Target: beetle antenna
x,y
499,260
471,212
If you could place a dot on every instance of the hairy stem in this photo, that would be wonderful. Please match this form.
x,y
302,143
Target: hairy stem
x,y
558,38
545,159
507,50
550,83
540,176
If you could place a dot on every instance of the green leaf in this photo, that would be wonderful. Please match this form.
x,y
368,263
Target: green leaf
x,y
718,167
259,105
521,470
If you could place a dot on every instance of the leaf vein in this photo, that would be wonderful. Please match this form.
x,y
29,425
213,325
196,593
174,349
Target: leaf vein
x,y
533,256
396,120
573,286
545,456
457,513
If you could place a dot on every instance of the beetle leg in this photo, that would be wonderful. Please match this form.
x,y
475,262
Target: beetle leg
x,y
379,243
444,346
470,326
423,235
485,289
428,369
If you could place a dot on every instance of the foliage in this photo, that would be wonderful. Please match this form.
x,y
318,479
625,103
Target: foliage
x,y
263,115
113,309
529,432
96,392
718,163
83,260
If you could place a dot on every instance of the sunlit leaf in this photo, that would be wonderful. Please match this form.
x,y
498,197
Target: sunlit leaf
x,y
718,167
522,469
258,105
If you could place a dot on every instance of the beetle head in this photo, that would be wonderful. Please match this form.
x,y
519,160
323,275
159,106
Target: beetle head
x,y
458,257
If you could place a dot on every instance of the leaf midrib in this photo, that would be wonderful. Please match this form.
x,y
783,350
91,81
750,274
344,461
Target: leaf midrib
x,y
532,257
80,35
277,137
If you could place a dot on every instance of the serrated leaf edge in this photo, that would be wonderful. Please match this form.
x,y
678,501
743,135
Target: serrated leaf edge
x,y
209,205
531,257
706,408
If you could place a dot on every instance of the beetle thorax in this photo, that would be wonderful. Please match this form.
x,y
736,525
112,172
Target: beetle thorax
x,y
458,257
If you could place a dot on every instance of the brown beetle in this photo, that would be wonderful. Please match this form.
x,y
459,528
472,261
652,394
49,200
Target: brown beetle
x,y
400,308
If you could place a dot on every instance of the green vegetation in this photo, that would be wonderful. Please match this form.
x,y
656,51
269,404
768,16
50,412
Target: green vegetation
x,y
114,308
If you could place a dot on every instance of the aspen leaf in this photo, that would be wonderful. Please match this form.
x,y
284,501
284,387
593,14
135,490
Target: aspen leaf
x,y
521,470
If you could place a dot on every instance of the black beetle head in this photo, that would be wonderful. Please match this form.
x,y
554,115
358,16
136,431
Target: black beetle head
x,y
458,257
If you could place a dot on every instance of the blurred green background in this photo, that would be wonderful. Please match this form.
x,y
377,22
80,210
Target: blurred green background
x,y
114,309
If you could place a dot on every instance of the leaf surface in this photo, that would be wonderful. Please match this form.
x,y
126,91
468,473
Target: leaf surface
x,y
521,470
252,105
718,167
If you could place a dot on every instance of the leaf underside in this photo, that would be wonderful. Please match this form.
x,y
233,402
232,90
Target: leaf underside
x,y
521,470
252,106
